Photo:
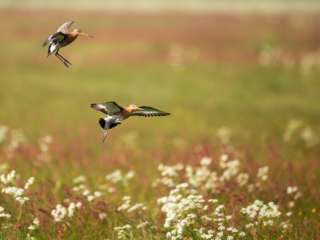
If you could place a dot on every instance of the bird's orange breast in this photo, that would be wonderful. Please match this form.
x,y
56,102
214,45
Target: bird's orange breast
x,y
71,37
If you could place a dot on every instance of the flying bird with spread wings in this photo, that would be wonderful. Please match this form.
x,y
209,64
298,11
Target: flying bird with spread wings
x,y
116,114
61,39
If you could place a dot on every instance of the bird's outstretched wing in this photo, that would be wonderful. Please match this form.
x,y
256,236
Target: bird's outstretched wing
x,y
149,112
57,37
108,108
65,27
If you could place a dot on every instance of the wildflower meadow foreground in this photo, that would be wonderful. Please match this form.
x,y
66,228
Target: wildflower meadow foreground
x,y
215,198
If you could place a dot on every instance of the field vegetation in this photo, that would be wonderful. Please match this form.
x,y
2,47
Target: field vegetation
x,y
239,157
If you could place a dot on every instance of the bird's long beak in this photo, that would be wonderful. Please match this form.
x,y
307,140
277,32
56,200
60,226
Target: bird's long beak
x,y
84,34
140,109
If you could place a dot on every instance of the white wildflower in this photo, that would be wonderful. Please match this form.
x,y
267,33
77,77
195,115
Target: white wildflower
x,y
31,227
263,173
97,194
36,221
291,204
130,175
242,179
292,189
79,179
206,161
78,205
135,207
182,185
141,225
86,192
22,200
71,209
59,213
90,198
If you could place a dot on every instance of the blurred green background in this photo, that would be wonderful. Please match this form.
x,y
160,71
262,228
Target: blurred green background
x,y
249,70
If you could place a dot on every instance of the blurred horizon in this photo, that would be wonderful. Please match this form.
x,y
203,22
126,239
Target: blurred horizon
x,y
237,6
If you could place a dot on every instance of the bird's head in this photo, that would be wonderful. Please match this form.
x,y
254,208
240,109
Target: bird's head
x,y
133,107
79,32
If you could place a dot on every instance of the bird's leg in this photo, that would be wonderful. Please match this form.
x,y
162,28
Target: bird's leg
x,y
63,58
104,135
59,57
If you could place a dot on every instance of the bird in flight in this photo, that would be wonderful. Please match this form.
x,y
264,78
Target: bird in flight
x,y
61,39
116,114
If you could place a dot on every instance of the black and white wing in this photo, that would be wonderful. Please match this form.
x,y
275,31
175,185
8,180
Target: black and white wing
x,y
108,108
149,112
55,38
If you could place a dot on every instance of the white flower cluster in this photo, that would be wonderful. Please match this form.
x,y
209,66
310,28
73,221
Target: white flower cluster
x,y
91,197
124,231
293,191
80,187
307,134
126,205
60,212
262,211
9,178
181,215
190,214
263,173
142,225
17,193
102,216
167,174
117,176
29,182
35,224
4,215
203,177
79,179
231,168
86,192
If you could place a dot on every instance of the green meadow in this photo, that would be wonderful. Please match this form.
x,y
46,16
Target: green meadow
x,y
242,86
